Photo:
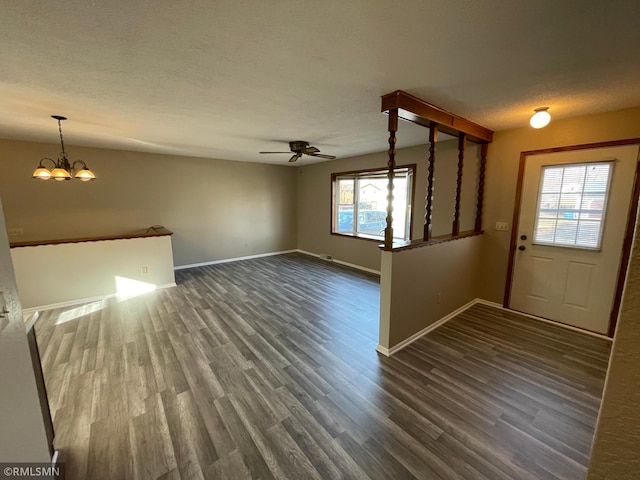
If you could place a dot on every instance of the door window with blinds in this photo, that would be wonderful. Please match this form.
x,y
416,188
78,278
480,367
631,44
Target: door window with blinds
x,y
572,203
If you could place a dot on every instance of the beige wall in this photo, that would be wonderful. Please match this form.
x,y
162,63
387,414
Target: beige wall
x,y
418,287
314,199
22,432
217,209
49,275
616,451
502,172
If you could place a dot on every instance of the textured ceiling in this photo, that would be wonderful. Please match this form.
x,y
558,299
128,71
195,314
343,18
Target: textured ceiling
x,y
225,79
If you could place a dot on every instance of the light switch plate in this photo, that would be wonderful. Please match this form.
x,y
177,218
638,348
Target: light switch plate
x,y
502,226
15,231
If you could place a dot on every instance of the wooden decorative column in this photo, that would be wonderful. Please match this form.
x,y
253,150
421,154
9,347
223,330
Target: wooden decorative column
x,y
483,165
399,104
393,128
433,138
462,143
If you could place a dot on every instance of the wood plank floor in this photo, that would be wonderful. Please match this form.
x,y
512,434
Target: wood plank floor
x,y
267,368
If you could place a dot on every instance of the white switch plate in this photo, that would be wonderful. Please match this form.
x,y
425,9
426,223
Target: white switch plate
x,y
502,226
15,231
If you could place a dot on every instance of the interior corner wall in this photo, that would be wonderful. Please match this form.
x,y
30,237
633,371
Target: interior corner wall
x,y
22,432
502,173
314,199
217,209
429,283
615,452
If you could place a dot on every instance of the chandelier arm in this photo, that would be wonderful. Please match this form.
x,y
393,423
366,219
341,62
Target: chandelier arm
x,y
40,165
81,162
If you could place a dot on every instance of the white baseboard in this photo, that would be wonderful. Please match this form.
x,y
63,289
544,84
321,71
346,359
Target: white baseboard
x,y
544,320
396,348
70,303
490,304
54,458
234,259
340,262
32,311
357,267
249,257
30,319
383,350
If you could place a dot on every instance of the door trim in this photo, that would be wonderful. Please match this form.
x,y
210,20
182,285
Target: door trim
x,y
628,236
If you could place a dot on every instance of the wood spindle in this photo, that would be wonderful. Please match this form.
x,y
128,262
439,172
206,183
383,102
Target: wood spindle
x,y
483,165
462,143
393,128
433,138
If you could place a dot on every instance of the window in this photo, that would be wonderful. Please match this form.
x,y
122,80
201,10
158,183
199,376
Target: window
x,y
571,204
360,203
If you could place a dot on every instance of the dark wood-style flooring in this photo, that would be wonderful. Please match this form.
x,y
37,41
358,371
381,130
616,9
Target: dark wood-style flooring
x,y
267,368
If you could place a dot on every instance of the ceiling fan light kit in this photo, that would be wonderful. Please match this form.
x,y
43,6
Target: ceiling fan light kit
x,y
301,147
61,169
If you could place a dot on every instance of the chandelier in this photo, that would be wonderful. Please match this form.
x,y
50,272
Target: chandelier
x,y
61,168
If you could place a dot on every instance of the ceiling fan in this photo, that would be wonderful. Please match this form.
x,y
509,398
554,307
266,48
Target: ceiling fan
x,y
300,147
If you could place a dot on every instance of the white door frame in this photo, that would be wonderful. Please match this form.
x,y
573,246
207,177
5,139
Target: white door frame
x,y
628,237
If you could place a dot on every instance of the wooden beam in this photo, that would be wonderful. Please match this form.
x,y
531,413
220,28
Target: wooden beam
x,y
418,111
483,166
393,128
514,229
462,143
626,251
433,138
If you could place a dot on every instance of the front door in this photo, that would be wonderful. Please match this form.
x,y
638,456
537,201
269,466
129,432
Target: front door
x,y
573,216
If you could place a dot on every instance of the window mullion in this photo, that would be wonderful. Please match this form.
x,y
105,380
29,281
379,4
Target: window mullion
x,y
356,204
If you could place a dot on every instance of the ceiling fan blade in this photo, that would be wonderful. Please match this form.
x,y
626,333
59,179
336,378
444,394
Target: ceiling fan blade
x,y
295,157
274,152
311,150
328,157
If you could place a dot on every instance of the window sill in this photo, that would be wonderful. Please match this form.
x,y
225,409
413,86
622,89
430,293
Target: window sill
x,y
363,236
400,246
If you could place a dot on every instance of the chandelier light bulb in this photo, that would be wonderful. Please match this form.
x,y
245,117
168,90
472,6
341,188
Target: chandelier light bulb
x,y
85,175
60,174
42,173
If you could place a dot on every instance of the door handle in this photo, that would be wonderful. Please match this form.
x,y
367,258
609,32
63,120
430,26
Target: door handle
x,y
523,237
522,248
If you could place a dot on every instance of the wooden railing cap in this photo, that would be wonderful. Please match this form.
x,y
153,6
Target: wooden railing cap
x,y
153,231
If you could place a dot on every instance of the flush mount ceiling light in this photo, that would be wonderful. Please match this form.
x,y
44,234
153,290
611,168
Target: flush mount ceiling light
x,y
541,118
62,169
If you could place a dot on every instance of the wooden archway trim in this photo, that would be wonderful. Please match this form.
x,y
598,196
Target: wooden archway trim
x,y
418,111
399,104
